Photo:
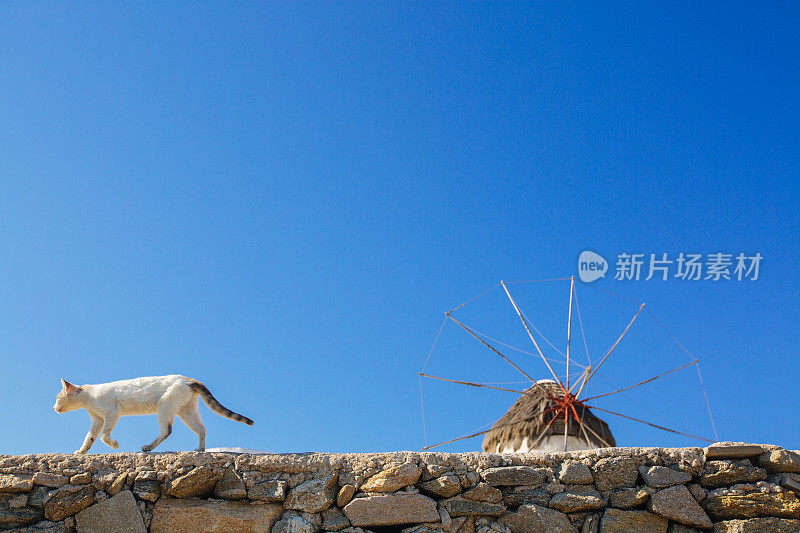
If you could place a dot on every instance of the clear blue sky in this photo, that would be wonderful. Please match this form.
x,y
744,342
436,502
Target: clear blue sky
x,y
281,200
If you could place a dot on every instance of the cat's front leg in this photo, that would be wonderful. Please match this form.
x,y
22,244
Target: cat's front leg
x,y
91,436
110,422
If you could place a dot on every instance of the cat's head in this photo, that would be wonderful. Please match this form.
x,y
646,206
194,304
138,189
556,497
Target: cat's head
x,y
67,399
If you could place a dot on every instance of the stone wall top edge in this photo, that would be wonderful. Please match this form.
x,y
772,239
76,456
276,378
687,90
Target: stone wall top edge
x,y
337,457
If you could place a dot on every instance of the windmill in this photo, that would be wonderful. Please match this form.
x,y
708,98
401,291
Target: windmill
x,y
554,413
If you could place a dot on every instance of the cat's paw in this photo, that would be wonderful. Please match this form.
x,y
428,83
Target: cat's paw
x,y
113,444
79,451
146,448
199,449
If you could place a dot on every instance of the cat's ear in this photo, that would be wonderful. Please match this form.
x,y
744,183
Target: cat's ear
x,y
67,385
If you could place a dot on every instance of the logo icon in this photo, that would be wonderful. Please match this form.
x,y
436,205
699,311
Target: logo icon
x,y
591,266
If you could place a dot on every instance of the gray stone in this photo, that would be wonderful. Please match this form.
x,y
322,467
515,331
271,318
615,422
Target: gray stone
x,y
230,486
49,480
172,515
721,473
198,482
513,476
461,507
628,498
273,491
483,492
67,501
752,505
11,517
443,487
537,519
758,525
393,478
391,509
780,461
36,497
698,492
617,521
146,489
113,515
677,504
660,477
15,483
293,523
577,498
575,473
732,450
334,520
345,494
791,482
315,495
516,497
614,472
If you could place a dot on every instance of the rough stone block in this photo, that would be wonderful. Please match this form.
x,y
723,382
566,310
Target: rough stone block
x,y
780,461
113,515
334,520
391,510
752,505
172,515
537,519
617,521
615,472
577,498
732,450
484,492
315,495
660,477
230,486
293,523
49,480
513,476
15,483
575,473
393,478
67,501
443,487
345,494
677,504
629,498
721,473
514,497
269,491
198,482
461,507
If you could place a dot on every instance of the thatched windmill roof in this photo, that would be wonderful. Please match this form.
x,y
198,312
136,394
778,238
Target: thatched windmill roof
x,y
524,426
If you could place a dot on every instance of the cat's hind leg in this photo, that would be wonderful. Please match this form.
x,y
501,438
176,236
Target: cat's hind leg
x,y
167,408
91,436
191,417
111,421
165,423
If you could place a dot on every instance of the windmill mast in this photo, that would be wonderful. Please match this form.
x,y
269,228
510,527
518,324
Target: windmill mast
x,y
569,335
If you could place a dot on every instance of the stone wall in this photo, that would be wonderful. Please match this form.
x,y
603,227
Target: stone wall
x,y
728,488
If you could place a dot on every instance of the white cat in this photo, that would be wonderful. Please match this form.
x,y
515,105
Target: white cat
x,y
166,396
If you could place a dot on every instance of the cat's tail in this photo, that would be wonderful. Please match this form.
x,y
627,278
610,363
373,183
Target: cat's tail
x,y
214,405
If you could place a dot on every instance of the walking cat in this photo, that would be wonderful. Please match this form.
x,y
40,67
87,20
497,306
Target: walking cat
x,y
165,396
